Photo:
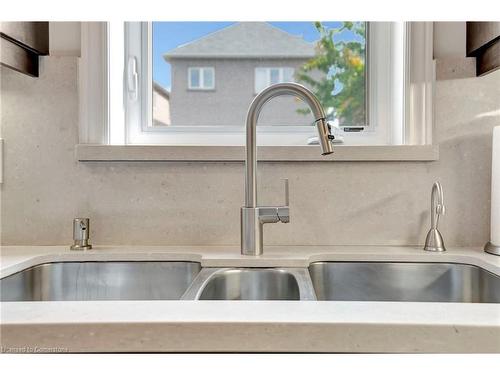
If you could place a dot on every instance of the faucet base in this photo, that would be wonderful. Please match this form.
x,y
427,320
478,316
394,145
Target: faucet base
x,y
492,249
80,247
434,241
251,231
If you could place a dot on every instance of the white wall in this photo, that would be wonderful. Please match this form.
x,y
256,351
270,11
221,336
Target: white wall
x,y
449,39
161,109
198,203
365,203
64,38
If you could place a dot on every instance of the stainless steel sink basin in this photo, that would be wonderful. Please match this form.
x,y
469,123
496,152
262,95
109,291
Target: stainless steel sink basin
x,y
92,281
335,281
415,282
251,284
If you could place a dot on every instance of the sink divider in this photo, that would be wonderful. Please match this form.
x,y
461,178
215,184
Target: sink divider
x,y
194,290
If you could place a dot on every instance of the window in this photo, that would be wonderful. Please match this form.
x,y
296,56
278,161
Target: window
x,y
249,57
369,88
265,77
201,78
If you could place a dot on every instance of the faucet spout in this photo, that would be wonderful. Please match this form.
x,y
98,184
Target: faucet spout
x,y
258,103
252,216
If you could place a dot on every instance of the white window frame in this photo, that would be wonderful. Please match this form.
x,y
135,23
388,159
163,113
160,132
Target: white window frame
x,y
400,88
202,71
267,69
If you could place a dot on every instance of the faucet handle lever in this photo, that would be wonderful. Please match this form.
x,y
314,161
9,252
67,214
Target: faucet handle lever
x,y
440,209
287,192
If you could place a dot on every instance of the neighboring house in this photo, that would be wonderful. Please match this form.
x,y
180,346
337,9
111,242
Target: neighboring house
x,y
161,106
215,78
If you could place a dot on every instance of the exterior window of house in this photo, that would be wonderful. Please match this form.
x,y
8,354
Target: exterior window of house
x,y
201,78
357,70
274,76
265,77
251,56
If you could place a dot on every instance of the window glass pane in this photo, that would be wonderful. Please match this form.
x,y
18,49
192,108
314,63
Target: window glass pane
x,y
288,75
327,57
274,76
208,78
260,79
194,77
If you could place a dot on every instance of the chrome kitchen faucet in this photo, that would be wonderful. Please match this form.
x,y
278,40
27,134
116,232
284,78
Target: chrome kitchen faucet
x,y
254,217
434,240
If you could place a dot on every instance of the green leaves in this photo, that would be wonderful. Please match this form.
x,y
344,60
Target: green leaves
x,y
336,74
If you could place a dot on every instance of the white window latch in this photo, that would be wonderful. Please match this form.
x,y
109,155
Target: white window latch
x,y
132,78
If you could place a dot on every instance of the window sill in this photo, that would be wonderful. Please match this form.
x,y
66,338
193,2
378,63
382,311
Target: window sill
x,y
201,90
104,153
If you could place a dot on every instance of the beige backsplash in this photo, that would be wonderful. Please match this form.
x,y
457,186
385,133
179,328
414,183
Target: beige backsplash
x,y
198,203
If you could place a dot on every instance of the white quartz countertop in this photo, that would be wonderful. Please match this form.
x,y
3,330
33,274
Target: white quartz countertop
x,y
248,326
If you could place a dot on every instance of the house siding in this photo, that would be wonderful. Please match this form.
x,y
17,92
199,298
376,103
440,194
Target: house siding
x,y
234,90
161,109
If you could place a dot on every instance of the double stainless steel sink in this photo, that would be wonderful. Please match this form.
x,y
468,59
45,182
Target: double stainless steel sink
x,y
329,281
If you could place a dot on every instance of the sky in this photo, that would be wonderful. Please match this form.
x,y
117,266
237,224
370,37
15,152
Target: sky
x,y
169,35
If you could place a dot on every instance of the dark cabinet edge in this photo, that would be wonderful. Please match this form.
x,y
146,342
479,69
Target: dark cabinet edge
x,y
23,45
32,35
20,59
489,60
483,43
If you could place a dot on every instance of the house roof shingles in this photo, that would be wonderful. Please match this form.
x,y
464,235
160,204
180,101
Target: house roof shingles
x,y
245,40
